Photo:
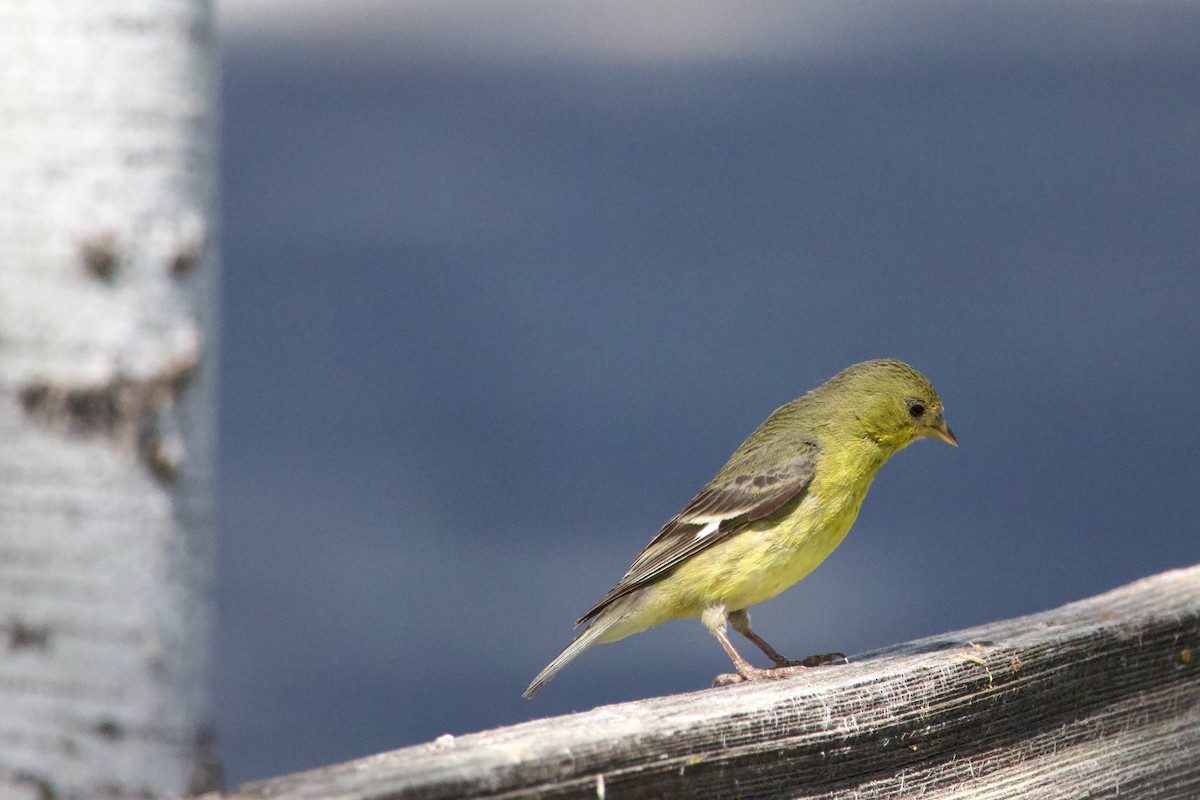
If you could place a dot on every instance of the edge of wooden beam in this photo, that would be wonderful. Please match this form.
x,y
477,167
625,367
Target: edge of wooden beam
x,y
1113,677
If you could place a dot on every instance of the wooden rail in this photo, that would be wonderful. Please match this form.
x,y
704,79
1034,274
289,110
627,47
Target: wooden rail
x,y
1099,698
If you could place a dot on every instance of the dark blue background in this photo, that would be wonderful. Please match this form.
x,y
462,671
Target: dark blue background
x,y
488,323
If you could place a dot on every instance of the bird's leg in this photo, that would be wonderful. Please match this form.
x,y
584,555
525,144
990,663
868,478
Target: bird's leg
x,y
716,619
740,620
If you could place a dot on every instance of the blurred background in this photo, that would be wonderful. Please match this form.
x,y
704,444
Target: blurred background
x,y
505,283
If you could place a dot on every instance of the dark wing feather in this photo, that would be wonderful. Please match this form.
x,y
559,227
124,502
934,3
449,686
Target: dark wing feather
x,y
731,501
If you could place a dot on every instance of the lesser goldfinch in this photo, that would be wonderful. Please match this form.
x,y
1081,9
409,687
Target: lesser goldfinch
x,y
784,500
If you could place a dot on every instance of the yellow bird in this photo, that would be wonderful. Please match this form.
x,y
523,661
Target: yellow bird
x,y
784,500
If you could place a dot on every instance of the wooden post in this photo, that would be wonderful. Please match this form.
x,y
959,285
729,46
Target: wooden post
x,y
1099,698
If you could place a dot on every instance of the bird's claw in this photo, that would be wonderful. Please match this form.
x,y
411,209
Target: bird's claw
x,y
820,660
785,670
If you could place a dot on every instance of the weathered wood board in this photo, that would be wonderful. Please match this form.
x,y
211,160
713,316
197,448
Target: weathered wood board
x,y
1099,698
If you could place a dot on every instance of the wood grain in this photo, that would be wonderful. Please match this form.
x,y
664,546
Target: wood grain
x,y
1099,698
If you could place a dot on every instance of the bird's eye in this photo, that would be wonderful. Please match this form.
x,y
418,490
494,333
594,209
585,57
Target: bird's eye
x,y
915,409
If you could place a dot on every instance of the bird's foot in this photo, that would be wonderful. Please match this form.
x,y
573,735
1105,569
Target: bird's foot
x,y
813,661
785,670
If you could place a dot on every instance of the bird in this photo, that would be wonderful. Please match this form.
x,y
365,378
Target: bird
x,y
781,504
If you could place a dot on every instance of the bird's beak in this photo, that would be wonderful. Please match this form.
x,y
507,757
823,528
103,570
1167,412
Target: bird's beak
x,y
938,429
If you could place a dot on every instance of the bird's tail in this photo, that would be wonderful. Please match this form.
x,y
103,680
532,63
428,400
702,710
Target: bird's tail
x,y
586,638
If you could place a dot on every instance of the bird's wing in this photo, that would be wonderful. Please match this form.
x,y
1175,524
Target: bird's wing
x,y
729,503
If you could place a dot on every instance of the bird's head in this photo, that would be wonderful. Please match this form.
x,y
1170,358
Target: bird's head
x,y
887,402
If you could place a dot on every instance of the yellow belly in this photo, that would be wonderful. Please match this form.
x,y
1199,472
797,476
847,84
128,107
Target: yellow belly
x,y
760,561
